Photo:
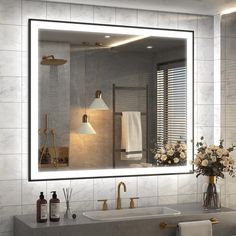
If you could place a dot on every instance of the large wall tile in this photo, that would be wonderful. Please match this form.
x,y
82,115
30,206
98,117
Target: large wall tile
x,y
187,184
10,141
31,191
147,201
6,219
82,190
24,38
33,10
230,48
230,21
11,117
187,198
167,20
205,49
230,70
10,167
167,185
205,26
24,163
10,63
164,200
205,93
29,209
10,193
205,115
207,133
10,12
25,115
230,96
147,18
188,22
81,13
147,186
205,71
82,206
230,114
10,89
126,16
58,11
104,189
25,141
230,135
10,37
105,15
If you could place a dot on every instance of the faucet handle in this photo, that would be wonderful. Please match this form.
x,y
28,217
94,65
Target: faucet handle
x,y
104,205
131,204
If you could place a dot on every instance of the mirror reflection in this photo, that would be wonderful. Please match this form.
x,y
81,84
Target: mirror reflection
x,y
111,100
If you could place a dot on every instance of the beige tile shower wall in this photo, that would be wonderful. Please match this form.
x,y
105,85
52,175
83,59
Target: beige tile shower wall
x,y
17,195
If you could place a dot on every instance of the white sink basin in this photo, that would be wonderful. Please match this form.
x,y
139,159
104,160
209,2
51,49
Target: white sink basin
x,y
128,214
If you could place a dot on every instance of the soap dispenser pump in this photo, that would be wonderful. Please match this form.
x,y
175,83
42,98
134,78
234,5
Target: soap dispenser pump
x,y
54,210
42,213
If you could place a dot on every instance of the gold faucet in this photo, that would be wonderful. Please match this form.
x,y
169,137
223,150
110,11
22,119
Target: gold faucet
x,y
118,200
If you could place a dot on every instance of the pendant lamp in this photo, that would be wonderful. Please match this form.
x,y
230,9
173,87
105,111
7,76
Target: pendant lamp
x,y
85,126
98,103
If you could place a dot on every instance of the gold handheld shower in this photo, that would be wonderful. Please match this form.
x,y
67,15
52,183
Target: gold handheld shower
x,y
51,60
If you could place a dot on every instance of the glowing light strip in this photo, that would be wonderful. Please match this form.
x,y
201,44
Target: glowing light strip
x,y
127,41
59,174
228,11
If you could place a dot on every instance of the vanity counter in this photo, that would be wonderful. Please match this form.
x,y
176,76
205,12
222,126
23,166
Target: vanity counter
x,y
26,224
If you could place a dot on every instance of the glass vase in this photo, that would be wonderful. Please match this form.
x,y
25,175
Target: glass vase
x,y
68,214
211,194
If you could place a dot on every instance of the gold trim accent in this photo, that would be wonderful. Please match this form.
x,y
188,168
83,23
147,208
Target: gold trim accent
x,y
98,94
131,204
164,225
212,179
85,118
104,205
118,200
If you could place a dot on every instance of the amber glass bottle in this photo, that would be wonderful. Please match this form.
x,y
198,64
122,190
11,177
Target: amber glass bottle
x,y
54,210
42,212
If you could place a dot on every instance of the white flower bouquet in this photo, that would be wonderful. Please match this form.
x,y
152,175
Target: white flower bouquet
x,y
213,160
171,154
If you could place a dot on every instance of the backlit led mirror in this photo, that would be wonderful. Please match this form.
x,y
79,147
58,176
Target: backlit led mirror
x,y
109,100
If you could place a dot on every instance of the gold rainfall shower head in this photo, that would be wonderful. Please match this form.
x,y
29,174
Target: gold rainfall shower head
x,y
51,60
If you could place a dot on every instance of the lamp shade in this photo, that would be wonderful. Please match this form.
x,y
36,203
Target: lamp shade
x,y
86,127
98,103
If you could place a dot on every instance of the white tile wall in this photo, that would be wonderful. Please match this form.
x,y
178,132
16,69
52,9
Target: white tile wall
x,y
17,195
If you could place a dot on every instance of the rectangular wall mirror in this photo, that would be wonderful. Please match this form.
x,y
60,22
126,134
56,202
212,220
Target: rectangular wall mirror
x,y
109,101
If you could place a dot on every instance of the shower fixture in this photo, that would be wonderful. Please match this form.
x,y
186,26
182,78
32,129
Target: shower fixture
x,y
51,60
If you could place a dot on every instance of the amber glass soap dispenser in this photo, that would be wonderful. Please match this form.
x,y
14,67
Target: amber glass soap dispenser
x,y
42,212
54,210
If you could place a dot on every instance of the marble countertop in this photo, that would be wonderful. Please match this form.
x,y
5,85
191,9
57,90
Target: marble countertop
x,y
185,209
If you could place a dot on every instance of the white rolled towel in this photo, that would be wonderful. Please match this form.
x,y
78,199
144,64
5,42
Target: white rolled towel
x,y
131,136
195,228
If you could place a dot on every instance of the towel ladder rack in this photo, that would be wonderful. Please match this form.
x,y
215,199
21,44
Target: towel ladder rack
x,y
164,225
118,113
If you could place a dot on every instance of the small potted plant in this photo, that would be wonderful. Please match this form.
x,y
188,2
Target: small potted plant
x,y
213,161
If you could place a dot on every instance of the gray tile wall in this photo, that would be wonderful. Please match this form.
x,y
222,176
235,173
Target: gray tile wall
x,y
227,41
17,195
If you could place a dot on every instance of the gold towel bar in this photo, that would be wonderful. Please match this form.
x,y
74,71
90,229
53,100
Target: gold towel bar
x,y
164,225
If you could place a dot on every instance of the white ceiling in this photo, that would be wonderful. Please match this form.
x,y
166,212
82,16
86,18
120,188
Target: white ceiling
x,y
205,7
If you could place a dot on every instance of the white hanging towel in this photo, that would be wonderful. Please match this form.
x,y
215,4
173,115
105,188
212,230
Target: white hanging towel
x,y
195,228
131,136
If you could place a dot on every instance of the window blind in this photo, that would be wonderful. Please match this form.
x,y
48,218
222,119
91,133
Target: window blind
x,y
171,101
